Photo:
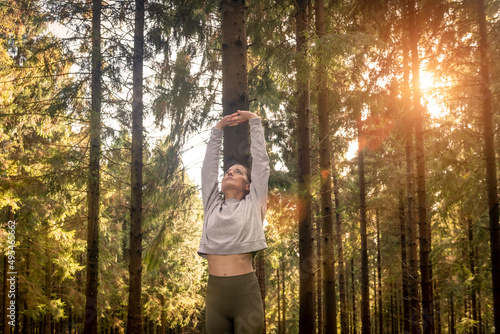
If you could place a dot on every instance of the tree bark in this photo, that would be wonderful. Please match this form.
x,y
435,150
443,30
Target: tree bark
x,y
234,81
424,226
306,249
437,310
327,233
134,319
490,159
90,325
365,281
236,148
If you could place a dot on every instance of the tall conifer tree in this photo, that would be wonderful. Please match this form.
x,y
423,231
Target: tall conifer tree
x,y
490,158
234,81
365,280
306,250
134,320
424,225
327,233
91,313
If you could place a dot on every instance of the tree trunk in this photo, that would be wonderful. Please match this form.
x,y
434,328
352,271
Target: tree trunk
x,y
306,249
437,311
134,318
319,274
94,176
424,226
353,295
327,233
452,315
27,321
344,329
411,226
379,275
365,281
404,267
261,278
490,158
234,81
6,301
283,299
278,275
236,148
48,288
472,267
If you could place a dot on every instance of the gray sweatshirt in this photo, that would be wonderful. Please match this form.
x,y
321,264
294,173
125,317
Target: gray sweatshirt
x,y
233,226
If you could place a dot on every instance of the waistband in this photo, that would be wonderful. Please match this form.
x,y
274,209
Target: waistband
x,y
232,286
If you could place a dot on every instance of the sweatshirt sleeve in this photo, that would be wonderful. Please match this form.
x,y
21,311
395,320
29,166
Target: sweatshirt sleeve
x,y
260,163
210,170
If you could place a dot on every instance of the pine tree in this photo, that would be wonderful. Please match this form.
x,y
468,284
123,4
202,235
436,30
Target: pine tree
x,y
134,319
327,233
306,251
91,312
489,155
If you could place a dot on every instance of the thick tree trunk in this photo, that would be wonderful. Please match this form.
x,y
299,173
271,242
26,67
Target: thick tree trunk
x,y
437,310
490,159
365,281
234,81
94,177
134,319
344,329
411,225
327,233
306,250
424,225
236,148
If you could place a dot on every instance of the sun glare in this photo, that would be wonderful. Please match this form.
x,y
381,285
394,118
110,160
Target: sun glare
x,y
429,86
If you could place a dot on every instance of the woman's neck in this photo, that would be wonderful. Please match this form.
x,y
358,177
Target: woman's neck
x,y
230,194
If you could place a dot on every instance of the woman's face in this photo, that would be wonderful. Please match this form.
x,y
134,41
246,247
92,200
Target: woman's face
x,y
235,179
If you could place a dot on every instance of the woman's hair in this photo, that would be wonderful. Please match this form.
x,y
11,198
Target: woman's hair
x,y
248,173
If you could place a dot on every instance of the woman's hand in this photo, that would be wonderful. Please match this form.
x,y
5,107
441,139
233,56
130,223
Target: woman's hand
x,y
246,115
239,117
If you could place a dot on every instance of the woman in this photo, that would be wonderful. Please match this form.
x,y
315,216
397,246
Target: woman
x,y
232,231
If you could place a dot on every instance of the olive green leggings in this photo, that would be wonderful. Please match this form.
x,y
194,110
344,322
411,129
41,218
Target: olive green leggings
x,y
234,305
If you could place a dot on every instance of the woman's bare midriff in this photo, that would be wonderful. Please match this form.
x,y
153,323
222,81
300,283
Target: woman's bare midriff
x,y
229,265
